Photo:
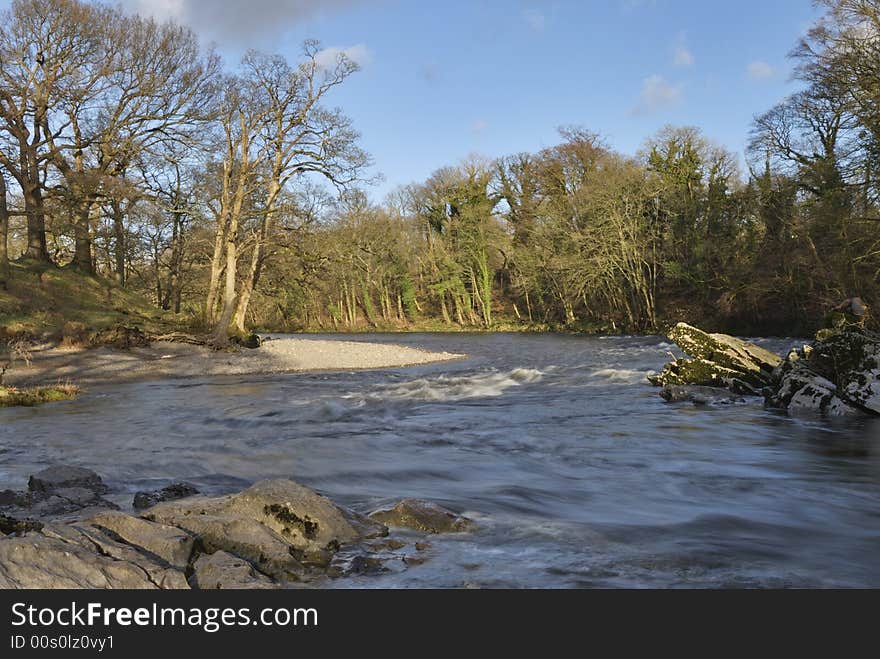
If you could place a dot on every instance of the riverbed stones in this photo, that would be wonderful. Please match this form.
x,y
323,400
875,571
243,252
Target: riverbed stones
x,y
173,492
424,516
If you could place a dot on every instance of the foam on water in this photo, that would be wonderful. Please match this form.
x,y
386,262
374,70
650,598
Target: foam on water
x,y
622,375
453,388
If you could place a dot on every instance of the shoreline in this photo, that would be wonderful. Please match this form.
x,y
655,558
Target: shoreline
x,y
165,359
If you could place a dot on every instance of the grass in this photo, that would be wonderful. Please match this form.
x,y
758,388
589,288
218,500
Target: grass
x,y
13,397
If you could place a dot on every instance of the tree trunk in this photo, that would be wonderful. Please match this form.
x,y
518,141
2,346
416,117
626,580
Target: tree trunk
x,y
216,273
36,222
4,235
82,255
119,235
247,288
221,333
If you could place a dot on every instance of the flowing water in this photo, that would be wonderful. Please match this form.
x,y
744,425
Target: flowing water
x,y
578,474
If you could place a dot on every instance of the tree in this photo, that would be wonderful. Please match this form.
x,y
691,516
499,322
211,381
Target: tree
x,y
275,129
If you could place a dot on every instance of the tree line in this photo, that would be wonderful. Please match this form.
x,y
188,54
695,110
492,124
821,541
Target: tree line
x,y
236,196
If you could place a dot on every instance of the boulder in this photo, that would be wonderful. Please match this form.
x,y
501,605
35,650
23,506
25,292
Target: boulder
x,y
273,533
64,477
56,492
724,350
717,360
173,492
40,561
424,516
289,513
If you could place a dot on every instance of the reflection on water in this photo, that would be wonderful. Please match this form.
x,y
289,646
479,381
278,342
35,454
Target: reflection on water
x,y
578,473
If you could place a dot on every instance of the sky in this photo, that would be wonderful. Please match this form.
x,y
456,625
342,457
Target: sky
x,y
444,80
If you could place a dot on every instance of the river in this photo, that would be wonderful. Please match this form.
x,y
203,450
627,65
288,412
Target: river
x,y
577,472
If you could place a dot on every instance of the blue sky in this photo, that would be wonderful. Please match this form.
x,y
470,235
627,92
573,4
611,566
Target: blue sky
x,y
442,80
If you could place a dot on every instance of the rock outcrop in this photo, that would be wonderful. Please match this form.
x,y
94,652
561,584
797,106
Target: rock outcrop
x,y
717,360
53,493
271,534
838,374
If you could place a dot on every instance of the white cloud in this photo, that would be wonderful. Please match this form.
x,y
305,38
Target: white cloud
x,y
682,56
480,126
657,94
359,54
536,20
759,70
238,23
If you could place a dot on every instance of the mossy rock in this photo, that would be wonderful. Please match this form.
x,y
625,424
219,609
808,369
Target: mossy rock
x,y
703,373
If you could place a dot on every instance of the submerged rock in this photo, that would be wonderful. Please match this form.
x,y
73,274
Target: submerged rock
x,y
699,395
424,516
171,492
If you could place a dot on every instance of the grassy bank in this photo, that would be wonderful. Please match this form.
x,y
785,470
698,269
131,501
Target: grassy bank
x,y
12,397
42,300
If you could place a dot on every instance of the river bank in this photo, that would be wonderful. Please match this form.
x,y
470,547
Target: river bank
x,y
576,471
165,359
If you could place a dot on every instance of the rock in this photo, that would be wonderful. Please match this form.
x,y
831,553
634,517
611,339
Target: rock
x,y
717,360
251,341
173,492
108,545
120,337
836,375
11,525
273,533
13,498
56,492
38,561
703,373
724,350
850,314
424,516
169,544
699,395
222,570
280,526
63,477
